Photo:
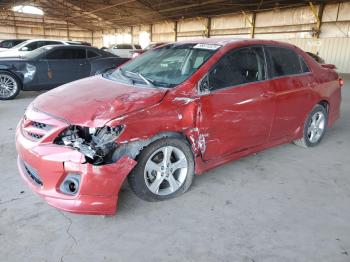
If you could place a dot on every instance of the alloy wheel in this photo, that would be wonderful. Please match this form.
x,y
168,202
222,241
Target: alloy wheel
x,y
316,127
8,86
165,170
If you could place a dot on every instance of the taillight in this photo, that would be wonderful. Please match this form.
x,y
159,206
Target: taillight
x,y
341,82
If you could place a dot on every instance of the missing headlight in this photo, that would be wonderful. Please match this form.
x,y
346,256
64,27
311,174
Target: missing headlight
x,y
97,144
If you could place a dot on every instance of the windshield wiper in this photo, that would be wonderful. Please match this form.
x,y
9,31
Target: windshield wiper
x,y
125,77
148,81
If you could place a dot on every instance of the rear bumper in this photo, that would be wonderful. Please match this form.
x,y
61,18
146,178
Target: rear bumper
x,y
99,186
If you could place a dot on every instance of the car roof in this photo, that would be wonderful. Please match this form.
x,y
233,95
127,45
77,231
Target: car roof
x,y
69,46
33,40
228,41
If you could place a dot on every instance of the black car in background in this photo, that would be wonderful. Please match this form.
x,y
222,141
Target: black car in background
x,y
9,43
50,66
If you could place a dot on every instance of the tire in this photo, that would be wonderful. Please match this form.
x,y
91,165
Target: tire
x,y
9,85
315,127
154,179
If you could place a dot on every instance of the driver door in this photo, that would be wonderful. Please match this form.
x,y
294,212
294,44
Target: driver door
x,y
238,111
66,64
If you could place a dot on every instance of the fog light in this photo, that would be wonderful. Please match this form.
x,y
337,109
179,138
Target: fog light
x,y
70,184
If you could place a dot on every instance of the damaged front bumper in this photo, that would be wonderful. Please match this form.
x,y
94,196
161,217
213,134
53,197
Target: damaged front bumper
x,y
44,166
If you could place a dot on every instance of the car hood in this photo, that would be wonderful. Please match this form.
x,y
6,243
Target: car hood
x,y
93,101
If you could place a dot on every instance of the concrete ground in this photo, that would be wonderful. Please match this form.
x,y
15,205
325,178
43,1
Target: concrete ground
x,y
284,204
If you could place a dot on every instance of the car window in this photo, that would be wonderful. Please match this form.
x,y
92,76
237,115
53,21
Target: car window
x,y
304,66
32,46
67,53
124,46
137,46
16,42
43,43
51,43
284,61
241,66
7,44
92,54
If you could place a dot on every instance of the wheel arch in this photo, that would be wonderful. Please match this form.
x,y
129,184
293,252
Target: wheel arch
x,y
7,70
325,104
134,148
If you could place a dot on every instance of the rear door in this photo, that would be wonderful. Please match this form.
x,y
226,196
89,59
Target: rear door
x,y
291,80
238,112
66,64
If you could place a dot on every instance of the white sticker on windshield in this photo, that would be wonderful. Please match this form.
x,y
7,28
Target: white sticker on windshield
x,y
207,46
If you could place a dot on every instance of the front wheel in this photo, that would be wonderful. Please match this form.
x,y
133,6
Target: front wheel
x,y
314,127
165,170
9,85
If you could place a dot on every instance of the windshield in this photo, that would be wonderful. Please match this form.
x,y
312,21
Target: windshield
x,y
21,45
37,52
166,66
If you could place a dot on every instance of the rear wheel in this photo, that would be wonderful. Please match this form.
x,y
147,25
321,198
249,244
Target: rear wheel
x,y
9,86
314,127
165,170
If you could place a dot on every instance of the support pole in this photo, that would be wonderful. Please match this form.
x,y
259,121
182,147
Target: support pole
x,y
68,36
318,16
252,30
251,23
132,34
175,29
44,27
15,24
208,27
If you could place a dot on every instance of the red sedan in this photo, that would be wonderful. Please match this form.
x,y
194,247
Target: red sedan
x,y
172,113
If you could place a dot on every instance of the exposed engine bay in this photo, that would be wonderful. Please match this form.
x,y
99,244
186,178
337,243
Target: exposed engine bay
x,y
97,144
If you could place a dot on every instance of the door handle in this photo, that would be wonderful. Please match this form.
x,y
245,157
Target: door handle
x,y
268,94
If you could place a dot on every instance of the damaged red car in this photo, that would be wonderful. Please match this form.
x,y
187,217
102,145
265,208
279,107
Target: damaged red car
x,y
168,115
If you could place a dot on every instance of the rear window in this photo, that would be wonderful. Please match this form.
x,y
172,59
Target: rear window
x,y
137,46
284,61
92,54
67,53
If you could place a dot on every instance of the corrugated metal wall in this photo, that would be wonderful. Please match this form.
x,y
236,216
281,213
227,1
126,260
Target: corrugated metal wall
x,y
293,25
32,26
334,50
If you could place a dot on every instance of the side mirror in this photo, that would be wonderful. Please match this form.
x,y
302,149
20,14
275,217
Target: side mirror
x,y
204,86
24,48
